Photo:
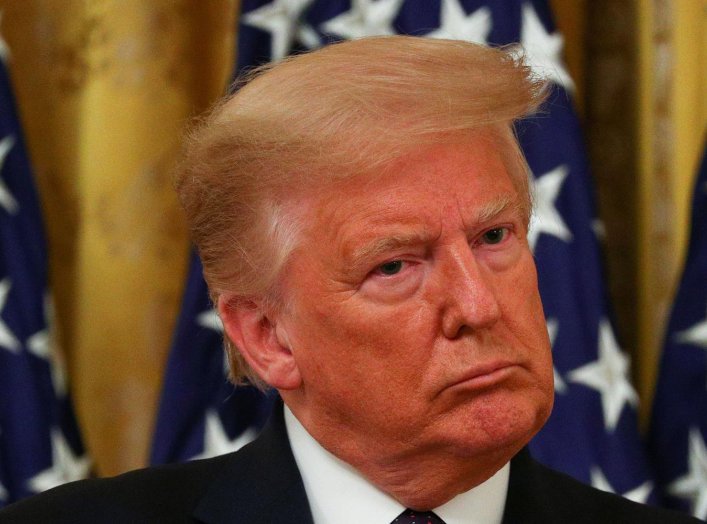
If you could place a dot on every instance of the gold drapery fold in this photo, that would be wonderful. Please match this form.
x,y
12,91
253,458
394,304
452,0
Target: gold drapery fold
x,y
105,88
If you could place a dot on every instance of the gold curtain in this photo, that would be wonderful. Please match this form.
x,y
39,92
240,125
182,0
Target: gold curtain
x,y
646,95
672,128
104,89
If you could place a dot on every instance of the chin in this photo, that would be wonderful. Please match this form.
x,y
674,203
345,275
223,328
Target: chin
x,y
500,426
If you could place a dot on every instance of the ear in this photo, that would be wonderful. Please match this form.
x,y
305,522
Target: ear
x,y
263,344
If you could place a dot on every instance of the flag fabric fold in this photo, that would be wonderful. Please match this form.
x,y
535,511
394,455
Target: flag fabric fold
x,y
40,445
679,418
593,432
201,414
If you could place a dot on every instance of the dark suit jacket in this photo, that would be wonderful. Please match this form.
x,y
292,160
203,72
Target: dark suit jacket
x,y
261,484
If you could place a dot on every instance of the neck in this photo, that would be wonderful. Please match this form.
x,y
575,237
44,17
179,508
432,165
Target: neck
x,y
423,481
418,478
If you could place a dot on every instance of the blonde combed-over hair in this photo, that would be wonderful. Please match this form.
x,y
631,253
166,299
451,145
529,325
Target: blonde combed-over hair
x,y
343,110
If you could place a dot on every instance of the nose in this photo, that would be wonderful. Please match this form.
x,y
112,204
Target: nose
x,y
470,301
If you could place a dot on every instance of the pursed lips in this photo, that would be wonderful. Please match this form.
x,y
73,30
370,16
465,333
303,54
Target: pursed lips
x,y
483,375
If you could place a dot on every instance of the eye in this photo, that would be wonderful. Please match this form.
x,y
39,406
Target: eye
x,y
494,236
390,268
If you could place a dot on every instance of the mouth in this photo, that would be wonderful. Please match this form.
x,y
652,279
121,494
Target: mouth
x,y
484,376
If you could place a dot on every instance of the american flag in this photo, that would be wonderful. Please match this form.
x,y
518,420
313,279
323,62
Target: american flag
x,y
39,441
592,433
201,414
679,423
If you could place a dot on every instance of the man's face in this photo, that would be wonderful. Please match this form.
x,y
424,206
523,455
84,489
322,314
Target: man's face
x,y
414,317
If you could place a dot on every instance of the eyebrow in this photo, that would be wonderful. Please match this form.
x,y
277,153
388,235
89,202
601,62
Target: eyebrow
x,y
371,250
380,246
497,207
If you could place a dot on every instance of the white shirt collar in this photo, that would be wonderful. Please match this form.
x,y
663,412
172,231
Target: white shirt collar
x,y
339,494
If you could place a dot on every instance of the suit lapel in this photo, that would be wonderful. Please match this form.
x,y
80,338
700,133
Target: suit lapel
x,y
529,499
260,485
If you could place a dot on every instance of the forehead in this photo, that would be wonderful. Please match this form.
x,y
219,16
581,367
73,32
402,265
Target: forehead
x,y
466,180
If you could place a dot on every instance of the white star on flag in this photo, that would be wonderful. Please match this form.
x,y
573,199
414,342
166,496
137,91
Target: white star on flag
x,y
543,51
6,199
552,327
7,337
456,25
609,376
695,335
4,50
217,442
599,229
638,494
282,19
210,320
546,218
38,344
41,345
693,485
66,467
366,18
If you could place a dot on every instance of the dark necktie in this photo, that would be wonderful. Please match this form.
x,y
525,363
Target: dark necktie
x,y
410,516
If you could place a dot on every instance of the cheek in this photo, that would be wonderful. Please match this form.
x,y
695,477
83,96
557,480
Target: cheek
x,y
521,294
383,329
523,310
368,345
